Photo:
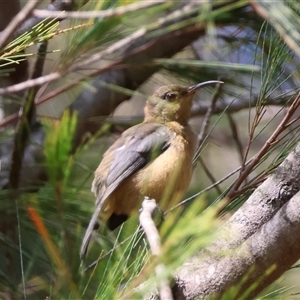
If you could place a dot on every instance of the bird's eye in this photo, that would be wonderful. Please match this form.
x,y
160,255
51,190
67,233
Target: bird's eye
x,y
170,96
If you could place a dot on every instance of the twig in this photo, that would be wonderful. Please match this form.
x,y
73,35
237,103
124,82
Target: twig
x,y
252,185
205,123
109,50
9,119
257,118
269,143
148,208
268,171
30,83
241,103
118,11
208,188
56,75
95,263
209,175
17,20
23,127
235,135
208,114
129,40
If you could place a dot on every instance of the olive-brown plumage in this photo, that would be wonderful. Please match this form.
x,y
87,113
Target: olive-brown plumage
x,y
151,159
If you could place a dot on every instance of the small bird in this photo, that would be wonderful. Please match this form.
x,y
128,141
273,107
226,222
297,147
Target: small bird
x,y
151,159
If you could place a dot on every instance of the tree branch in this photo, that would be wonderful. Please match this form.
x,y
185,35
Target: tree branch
x,y
255,238
148,209
260,260
118,11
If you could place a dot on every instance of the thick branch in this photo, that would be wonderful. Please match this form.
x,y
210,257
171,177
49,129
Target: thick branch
x,y
262,259
254,240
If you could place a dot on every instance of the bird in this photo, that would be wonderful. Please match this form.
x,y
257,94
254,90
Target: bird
x,y
153,159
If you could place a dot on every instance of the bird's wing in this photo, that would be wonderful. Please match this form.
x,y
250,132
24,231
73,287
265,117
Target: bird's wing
x,y
137,146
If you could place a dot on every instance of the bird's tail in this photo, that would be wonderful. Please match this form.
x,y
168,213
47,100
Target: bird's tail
x,y
89,231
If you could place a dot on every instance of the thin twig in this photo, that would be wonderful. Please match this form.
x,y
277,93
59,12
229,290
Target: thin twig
x,y
208,114
102,256
208,188
118,11
235,135
148,208
256,121
269,143
242,102
9,119
17,20
209,175
25,122
30,83
109,50
267,172
205,123
252,185
56,75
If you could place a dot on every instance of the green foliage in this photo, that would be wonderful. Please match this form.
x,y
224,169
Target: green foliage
x,y
51,221
58,145
13,52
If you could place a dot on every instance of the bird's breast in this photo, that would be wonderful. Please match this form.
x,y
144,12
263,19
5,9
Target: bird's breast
x,y
168,175
165,179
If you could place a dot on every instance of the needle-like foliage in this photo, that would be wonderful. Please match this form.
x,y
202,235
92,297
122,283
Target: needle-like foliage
x,y
250,125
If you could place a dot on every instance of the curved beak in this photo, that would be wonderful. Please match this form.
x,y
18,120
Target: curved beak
x,y
192,89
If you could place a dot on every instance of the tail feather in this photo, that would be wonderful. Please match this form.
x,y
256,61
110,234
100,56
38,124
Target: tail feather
x,y
89,231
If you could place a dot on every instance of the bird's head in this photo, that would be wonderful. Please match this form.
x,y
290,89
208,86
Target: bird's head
x,y
173,102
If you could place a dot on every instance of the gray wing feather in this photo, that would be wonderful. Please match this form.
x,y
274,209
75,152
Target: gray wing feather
x,y
141,149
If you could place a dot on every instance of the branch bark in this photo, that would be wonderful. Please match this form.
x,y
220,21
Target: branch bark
x,y
257,245
262,259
